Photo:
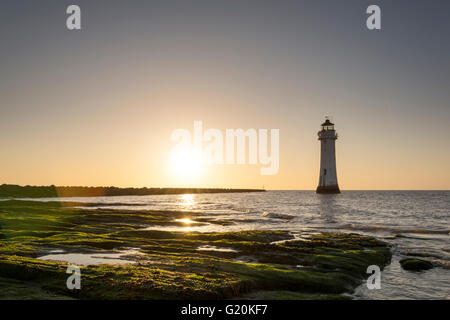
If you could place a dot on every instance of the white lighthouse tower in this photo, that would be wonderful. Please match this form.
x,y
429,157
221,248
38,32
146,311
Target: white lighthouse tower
x,y
328,178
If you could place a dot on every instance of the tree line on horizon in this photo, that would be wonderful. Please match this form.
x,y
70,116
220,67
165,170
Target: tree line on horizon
x,y
16,191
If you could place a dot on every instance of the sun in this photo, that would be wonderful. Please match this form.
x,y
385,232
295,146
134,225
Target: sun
x,y
186,163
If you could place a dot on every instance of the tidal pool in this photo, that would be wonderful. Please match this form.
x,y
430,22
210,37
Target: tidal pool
x,y
214,248
87,259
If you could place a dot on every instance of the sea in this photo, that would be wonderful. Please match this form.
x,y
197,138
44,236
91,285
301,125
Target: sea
x,y
414,223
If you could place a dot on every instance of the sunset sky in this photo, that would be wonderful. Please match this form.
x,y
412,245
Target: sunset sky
x,y
97,107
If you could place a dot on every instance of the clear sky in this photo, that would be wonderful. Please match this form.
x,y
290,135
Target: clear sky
x,y
98,106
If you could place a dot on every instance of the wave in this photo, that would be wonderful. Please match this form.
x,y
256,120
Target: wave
x,y
277,216
394,229
442,264
115,204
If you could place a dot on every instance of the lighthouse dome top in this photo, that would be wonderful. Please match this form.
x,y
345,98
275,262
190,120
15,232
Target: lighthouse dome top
x,y
327,123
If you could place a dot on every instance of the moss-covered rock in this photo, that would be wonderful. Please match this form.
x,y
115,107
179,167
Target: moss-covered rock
x,y
169,264
415,264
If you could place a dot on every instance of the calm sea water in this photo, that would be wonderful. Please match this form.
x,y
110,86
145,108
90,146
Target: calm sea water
x,y
413,222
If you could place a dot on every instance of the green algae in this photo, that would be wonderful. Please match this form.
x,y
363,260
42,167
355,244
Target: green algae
x,y
21,290
170,265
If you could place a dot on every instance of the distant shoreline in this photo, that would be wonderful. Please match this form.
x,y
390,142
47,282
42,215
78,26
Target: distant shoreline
x,y
16,191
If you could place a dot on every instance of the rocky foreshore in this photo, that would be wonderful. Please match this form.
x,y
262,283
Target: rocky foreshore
x,y
268,264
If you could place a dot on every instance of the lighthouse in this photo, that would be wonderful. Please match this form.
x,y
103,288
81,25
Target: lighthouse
x,y
327,178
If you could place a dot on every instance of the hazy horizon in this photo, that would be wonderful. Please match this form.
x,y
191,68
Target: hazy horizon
x,y
97,107
224,187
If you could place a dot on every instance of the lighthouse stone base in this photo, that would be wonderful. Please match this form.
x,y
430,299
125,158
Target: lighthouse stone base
x,y
328,189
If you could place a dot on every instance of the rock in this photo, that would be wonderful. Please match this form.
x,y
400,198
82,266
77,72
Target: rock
x,y
415,264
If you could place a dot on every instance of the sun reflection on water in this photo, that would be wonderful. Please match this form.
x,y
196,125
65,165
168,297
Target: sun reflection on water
x,y
187,200
185,220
